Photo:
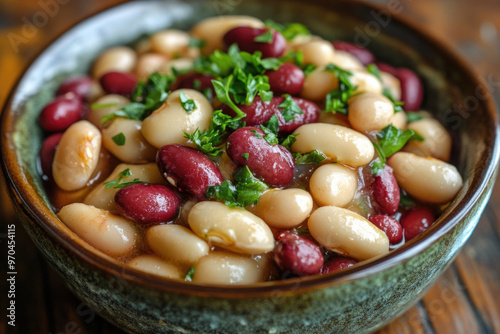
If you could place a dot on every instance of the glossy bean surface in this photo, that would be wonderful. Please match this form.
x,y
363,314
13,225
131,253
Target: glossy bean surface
x,y
362,54
61,112
121,83
338,263
386,192
333,184
154,265
297,254
120,58
147,203
391,227
245,38
187,169
287,79
261,155
80,86
416,221
47,152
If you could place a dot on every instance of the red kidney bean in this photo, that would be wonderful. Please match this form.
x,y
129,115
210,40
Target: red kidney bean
x,y
416,221
204,82
389,225
412,90
121,83
59,114
297,254
386,192
80,86
362,54
273,164
47,152
259,112
147,203
245,38
187,169
338,263
287,79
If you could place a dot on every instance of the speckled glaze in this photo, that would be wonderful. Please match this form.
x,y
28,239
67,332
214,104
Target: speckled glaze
x,y
354,301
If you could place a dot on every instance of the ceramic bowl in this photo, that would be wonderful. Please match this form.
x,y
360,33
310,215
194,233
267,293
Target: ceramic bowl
x,y
354,301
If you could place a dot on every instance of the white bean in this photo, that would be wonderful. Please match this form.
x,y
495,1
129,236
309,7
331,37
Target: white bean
x,y
284,208
337,142
176,243
108,233
104,198
366,82
392,83
346,61
179,64
149,63
154,265
120,59
437,141
76,156
318,84
370,112
135,149
104,106
399,120
173,44
317,52
427,179
213,29
229,268
347,233
165,125
235,229
333,184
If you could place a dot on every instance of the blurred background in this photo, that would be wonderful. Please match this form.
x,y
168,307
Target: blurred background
x,y
466,299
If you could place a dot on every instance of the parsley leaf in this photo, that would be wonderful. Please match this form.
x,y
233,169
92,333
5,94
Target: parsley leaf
x,y
289,141
118,183
196,43
398,105
246,190
189,275
271,129
313,157
187,103
266,96
222,91
373,69
119,139
290,108
405,200
336,101
390,141
94,106
290,30
266,37
245,156
209,141
413,117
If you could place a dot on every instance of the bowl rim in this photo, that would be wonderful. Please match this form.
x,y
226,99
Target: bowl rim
x,y
34,206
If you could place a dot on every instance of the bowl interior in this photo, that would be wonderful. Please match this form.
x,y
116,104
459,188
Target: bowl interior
x,y
452,92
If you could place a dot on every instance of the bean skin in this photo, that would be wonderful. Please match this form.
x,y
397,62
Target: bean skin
x,y
47,153
273,164
338,263
412,90
259,112
287,79
120,83
386,192
391,227
147,203
81,86
416,221
245,38
187,169
297,254
362,54
59,114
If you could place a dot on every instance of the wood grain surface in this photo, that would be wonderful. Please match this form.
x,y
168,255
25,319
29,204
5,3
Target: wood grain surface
x,y
466,299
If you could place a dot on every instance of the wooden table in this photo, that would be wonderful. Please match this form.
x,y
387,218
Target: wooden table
x,y
466,299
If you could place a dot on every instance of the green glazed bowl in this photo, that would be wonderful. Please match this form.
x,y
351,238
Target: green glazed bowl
x,y
358,300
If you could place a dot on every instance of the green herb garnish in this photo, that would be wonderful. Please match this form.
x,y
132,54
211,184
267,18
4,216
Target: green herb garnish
x,y
313,157
95,106
413,117
289,141
266,37
196,43
119,139
187,104
271,128
336,101
245,156
246,190
189,275
290,30
119,184
289,108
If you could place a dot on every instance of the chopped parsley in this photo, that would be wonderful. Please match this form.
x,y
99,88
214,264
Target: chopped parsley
x,y
336,101
271,128
196,43
289,141
390,141
413,117
95,106
189,275
289,108
119,139
119,184
245,191
373,69
209,141
314,157
187,104
266,37
245,156
290,30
